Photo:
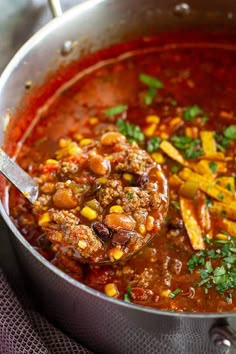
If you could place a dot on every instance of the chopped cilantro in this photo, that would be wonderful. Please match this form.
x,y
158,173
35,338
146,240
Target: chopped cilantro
x,y
190,148
130,195
223,276
229,187
131,131
175,169
115,110
208,202
204,119
150,81
153,143
127,295
223,213
213,166
221,196
150,95
230,132
174,293
191,112
175,204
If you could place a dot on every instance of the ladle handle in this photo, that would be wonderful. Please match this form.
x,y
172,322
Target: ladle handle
x,y
55,7
18,177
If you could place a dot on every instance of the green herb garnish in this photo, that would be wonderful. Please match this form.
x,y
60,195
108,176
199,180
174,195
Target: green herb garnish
x,y
153,144
189,147
175,169
230,132
131,131
223,275
115,110
130,195
153,84
213,166
174,293
175,204
127,295
150,81
191,112
150,95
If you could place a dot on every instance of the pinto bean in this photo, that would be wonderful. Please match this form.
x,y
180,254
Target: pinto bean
x,y
99,165
112,138
64,199
118,221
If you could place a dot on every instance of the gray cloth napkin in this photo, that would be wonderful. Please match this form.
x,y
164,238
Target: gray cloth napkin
x,y
24,331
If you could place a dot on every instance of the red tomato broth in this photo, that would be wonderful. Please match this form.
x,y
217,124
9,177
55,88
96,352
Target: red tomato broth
x,y
188,72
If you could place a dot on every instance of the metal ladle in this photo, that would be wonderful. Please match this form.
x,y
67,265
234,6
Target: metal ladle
x,y
18,177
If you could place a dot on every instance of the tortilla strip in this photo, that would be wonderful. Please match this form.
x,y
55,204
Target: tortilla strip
x,y
207,186
230,227
173,153
208,142
204,215
223,209
227,182
190,221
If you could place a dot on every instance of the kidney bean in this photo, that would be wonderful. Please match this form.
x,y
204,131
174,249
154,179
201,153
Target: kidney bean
x,y
142,180
121,237
101,231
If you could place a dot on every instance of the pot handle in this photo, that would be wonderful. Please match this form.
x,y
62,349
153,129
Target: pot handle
x,y
223,336
55,7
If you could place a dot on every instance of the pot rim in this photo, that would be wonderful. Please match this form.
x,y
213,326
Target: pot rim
x,y
20,54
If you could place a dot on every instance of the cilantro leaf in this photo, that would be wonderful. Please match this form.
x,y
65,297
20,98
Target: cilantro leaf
x,y
131,131
191,112
150,95
153,144
115,110
213,166
150,81
230,132
127,295
174,293
189,147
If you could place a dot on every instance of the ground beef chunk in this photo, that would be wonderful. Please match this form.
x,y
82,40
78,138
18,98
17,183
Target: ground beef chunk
x,y
109,192
63,217
83,238
133,198
143,279
68,168
135,161
41,202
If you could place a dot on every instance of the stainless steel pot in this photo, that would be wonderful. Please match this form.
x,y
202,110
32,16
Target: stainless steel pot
x,y
103,324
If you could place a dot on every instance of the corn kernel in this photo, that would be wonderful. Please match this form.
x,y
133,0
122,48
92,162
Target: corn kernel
x,y
51,162
165,293
89,213
82,244
115,253
43,219
78,136
93,120
84,142
158,157
150,130
73,149
116,209
142,229
164,136
150,223
192,132
111,290
153,119
128,177
102,180
221,237
175,121
64,142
